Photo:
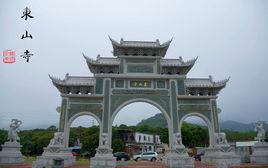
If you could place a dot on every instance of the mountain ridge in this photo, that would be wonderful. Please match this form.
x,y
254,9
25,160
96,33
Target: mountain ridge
x,y
159,121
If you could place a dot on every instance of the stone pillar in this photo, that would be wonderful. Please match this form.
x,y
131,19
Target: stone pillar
x,y
260,149
104,154
260,153
177,156
214,115
221,154
56,149
11,154
103,158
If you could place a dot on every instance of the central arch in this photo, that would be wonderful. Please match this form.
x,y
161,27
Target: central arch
x,y
135,100
207,121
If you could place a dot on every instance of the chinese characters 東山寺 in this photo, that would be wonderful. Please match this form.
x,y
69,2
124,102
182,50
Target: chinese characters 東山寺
x,y
26,15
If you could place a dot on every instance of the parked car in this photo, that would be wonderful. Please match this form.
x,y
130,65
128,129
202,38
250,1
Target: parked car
x,y
152,156
121,156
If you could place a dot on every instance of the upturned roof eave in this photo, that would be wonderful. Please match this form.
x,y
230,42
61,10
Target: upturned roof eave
x,y
188,64
202,86
216,85
92,62
62,83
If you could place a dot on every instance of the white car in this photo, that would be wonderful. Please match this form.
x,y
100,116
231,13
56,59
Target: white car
x,y
152,156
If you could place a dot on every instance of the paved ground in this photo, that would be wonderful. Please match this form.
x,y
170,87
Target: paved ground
x,y
142,164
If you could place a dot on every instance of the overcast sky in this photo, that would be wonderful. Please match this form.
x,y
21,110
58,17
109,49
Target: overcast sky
x,y
230,37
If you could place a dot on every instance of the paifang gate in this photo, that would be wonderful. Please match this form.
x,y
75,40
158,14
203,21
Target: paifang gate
x,y
138,72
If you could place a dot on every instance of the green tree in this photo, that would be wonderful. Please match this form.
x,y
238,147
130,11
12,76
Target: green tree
x,y
3,137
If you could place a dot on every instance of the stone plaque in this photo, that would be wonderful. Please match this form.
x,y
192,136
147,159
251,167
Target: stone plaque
x,y
140,84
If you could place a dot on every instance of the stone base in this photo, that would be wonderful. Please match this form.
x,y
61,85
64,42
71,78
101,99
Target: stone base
x,y
103,159
54,152
222,157
260,153
11,154
178,159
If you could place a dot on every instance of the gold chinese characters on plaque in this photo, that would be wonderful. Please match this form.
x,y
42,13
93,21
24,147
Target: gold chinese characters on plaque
x,y
140,84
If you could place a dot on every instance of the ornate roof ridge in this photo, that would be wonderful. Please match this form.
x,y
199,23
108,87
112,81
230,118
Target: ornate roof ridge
x,y
134,43
97,61
205,82
56,80
181,62
190,62
86,77
197,79
72,80
221,83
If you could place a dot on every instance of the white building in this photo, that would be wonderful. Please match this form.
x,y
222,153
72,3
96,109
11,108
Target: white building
x,y
141,142
148,142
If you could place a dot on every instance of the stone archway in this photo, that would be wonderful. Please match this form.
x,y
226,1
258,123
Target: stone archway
x,y
153,103
206,120
70,121
139,77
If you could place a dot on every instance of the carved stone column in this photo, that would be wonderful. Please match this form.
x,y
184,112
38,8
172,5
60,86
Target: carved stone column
x,y
221,154
177,156
11,154
104,154
260,149
55,149
260,153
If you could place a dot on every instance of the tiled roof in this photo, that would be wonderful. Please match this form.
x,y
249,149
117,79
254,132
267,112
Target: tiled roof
x,y
103,60
73,80
191,82
145,44
140,44
171,62
177,62
204,82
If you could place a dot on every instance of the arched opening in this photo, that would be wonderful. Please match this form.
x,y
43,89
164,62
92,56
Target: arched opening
x,y
140,126
82,134
196,130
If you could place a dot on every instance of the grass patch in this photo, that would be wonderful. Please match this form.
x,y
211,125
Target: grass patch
x,y
124,163
81,162
29,159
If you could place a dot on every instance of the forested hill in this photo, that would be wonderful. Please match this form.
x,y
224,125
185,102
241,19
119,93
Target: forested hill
x,y
156,121
159,121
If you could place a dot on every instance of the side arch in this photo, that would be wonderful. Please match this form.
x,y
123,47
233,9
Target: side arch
x,y
70,121
207,121
135,100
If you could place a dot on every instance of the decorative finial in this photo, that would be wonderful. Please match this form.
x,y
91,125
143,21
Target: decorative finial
x,y
210,78
67,75
98,56
121,41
